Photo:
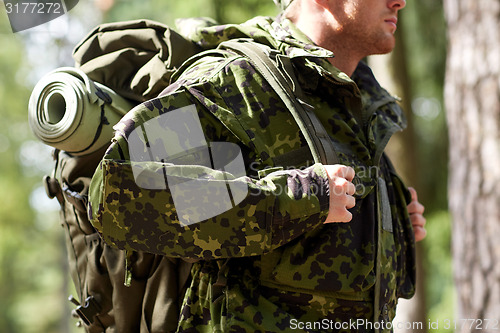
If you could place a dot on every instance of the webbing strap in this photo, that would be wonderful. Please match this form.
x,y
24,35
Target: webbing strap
x,y
315,134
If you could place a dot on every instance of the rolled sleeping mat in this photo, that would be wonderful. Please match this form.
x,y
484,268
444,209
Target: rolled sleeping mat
x,y
70,112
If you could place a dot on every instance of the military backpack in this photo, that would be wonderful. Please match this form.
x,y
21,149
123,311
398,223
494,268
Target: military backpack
x,y
132,62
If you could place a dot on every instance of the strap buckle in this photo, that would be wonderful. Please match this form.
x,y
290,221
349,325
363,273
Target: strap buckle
x,y
87,311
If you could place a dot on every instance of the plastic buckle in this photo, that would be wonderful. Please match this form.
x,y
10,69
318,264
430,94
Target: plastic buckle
x,y
87,311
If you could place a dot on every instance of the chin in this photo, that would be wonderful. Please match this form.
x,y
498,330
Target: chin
x,y
385,50
386,46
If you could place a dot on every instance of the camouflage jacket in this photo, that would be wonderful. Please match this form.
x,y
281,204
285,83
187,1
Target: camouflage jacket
x,y
245,200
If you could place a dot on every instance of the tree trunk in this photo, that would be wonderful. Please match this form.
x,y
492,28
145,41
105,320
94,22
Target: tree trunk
x,y
472,95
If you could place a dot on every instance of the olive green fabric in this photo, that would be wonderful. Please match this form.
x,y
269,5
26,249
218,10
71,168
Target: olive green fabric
x,y
283,81
150,303
125,56
134,58
266,262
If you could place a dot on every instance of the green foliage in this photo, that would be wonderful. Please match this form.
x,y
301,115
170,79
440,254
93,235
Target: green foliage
x,y
14,217
425,41
425,31
167,12
440,287
30,250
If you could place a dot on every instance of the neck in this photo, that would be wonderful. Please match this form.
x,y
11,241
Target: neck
x,y
328,35
344,61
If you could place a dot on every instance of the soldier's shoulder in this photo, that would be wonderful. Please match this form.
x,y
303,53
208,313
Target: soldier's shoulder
x,y
212,65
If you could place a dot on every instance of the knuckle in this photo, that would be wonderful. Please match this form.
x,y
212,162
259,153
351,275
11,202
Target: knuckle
x,y
351,202
340,181
338,190
347,217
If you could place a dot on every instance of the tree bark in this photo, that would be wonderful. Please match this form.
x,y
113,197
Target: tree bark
x,y
472,95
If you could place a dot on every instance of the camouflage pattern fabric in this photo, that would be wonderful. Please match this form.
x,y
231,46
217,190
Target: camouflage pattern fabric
x,y
265,263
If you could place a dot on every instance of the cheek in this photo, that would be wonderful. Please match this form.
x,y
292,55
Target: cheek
x,y
351,10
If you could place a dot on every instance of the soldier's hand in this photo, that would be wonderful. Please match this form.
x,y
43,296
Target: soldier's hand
x,y
416,211
341,193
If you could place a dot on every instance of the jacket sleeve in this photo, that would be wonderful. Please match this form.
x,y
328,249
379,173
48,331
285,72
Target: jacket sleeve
x,y
275,210
190,196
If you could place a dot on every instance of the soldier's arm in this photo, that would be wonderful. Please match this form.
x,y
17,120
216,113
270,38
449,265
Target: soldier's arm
x,y
275,210
259,214
204,212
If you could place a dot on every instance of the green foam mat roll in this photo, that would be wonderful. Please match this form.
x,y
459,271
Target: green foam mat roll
x,y
70,112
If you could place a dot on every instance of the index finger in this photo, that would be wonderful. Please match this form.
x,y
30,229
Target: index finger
x,y
414,196
348,173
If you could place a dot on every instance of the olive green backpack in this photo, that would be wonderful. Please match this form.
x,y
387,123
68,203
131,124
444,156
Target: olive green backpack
x,y
121,56
142,292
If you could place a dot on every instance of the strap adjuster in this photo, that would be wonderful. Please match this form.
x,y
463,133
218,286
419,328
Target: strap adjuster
x,y
87,311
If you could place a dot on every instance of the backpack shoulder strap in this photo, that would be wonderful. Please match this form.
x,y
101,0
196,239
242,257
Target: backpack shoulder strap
x,y
290,93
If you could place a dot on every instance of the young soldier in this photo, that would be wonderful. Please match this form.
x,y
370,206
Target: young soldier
x,y
302,245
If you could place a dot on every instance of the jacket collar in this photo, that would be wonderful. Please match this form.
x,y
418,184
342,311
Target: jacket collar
x,y
281,34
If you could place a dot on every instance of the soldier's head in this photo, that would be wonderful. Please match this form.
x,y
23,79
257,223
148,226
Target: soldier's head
x,y
366,26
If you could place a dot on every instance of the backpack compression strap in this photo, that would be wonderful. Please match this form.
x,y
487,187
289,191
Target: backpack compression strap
x,y
289,91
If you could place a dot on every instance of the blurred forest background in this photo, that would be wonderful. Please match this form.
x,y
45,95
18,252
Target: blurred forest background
x,y
34,282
